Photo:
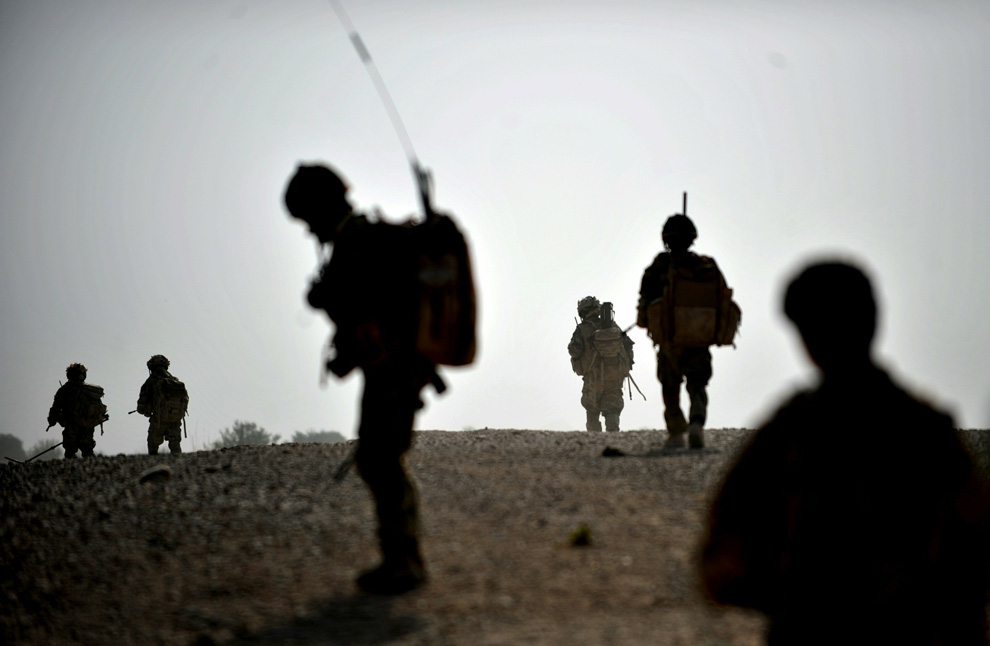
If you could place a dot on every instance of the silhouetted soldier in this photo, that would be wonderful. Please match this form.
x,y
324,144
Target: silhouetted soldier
x,y
163,400
602,354
371,288
78,407
854,515
686,306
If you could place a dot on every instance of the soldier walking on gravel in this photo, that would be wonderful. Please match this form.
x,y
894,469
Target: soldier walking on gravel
x,y
602,354
854,516
687,307
79,408
163,400
372,289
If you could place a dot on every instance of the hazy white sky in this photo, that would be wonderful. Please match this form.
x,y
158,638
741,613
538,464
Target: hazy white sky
x,y
145,147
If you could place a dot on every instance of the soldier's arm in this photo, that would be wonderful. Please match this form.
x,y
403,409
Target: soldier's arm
x,y
53,412
576,347
144,403
651,288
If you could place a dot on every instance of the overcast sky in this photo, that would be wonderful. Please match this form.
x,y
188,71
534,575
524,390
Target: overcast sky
x,y
145,147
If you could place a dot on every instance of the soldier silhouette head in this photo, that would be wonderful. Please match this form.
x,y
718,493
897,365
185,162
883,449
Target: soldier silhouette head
x,y
588,306
318,196
158,362
679,233
833,307
76,372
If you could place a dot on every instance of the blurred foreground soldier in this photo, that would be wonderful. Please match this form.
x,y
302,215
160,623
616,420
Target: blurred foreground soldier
x,y
686,306
164,401
854,516
79,408
402,300
602,355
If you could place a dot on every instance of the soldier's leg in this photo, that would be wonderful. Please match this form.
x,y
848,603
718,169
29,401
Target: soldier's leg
x,y
69,442
589,400
86,442
670,378
155,437
697,366
612,404
173,433
388,406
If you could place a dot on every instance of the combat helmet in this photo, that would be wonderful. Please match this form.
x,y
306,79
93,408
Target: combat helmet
x,y
76,372
587,306
158,361
679,232
315,193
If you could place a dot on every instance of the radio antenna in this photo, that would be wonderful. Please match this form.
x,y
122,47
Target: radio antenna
x,y
376,78
424,181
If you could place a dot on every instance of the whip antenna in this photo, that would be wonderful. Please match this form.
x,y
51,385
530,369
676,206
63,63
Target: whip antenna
x,y
424,181
376,78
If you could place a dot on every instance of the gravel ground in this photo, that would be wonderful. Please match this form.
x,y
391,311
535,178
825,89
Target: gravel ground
x,y
258,545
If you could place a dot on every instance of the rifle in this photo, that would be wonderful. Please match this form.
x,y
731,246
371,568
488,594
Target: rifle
x,y
51,448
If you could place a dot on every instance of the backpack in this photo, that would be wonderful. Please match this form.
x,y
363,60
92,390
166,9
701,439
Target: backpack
x,y
170,400
447,303
85,407
609,344
696,309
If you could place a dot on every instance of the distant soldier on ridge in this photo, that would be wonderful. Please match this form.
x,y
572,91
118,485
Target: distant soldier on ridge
x,y
602,354
686,307
164,400
79,408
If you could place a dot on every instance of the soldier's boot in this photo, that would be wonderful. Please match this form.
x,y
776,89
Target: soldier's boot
x,y
696,435
152,449
402,566
87,447
612,422
174,446
676,429
401,569
593,423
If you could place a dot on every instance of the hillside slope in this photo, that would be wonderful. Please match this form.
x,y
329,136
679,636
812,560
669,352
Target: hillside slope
x,y
258,545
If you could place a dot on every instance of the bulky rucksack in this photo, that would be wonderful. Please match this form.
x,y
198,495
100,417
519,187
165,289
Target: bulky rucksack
x,y
447,302
609,344
696,309
85,407
170,400
615,360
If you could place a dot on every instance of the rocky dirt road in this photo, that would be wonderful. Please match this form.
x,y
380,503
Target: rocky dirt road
x,y
258,545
